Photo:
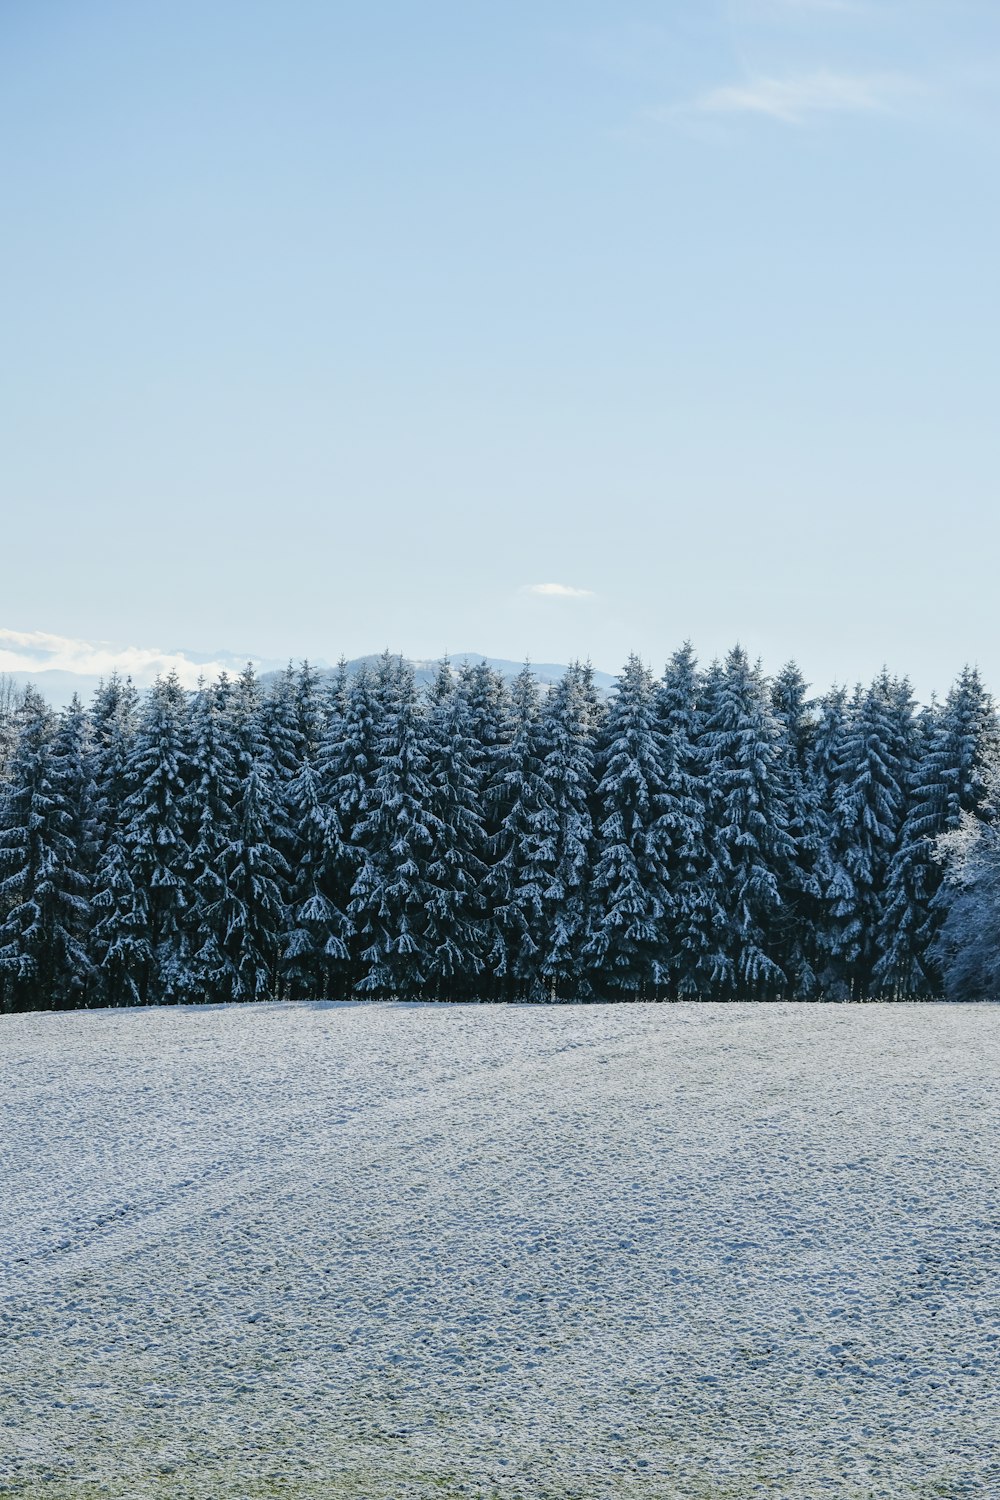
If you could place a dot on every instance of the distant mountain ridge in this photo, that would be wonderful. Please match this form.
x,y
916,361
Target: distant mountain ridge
x,y
425,669
57,684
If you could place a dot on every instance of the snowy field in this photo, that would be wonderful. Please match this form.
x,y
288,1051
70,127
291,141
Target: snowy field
x,y
411,1251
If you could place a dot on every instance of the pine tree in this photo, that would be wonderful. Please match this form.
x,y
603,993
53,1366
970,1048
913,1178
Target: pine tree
x,y
115,940
749,833
281,728
113,719
119,941
806,874
595,707
514,797
75,758
395,835
207,809
490,708
626,947
243,703
347,758
455,931
148,908
337,692
313,704
965,952
693,911
831,935
869,806
346,768
46,835
246,919
293,717
557,851
955,744
316,955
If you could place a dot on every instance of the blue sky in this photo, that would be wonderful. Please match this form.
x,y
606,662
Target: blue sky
x,y
329,326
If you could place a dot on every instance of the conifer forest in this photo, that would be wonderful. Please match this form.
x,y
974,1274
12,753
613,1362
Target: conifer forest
x,y
712,834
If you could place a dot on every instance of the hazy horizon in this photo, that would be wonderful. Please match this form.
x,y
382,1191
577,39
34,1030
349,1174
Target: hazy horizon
x,y
59,666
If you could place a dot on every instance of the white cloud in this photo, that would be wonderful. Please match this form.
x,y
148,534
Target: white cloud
x,y
796,98
37,651
557,591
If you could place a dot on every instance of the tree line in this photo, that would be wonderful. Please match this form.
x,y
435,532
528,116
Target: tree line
x,y
714,833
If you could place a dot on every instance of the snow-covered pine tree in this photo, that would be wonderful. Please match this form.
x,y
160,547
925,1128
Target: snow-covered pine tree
x,y
869,806
627,945
749,831
489,708
247,919
243,702
207,808
151,896
313,703
296,719
114,944
912,874
454,935
968,747
956,743
693,913
807,873
337,691
595,706
315,959
347,760
281,732
442,685
113,718
46,843
832,935
515,796
395,834
119,941
832,713
75,765
557,852
966,947
254,750
488,698
293,717
75,772
346,768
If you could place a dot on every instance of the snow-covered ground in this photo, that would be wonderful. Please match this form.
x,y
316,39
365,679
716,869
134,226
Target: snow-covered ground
x,y
391,1251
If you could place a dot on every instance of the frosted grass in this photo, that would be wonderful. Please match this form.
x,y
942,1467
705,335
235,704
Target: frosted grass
x,y
704,1252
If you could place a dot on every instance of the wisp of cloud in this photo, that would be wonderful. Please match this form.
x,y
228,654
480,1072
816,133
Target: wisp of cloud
x,y
796,98
556,591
